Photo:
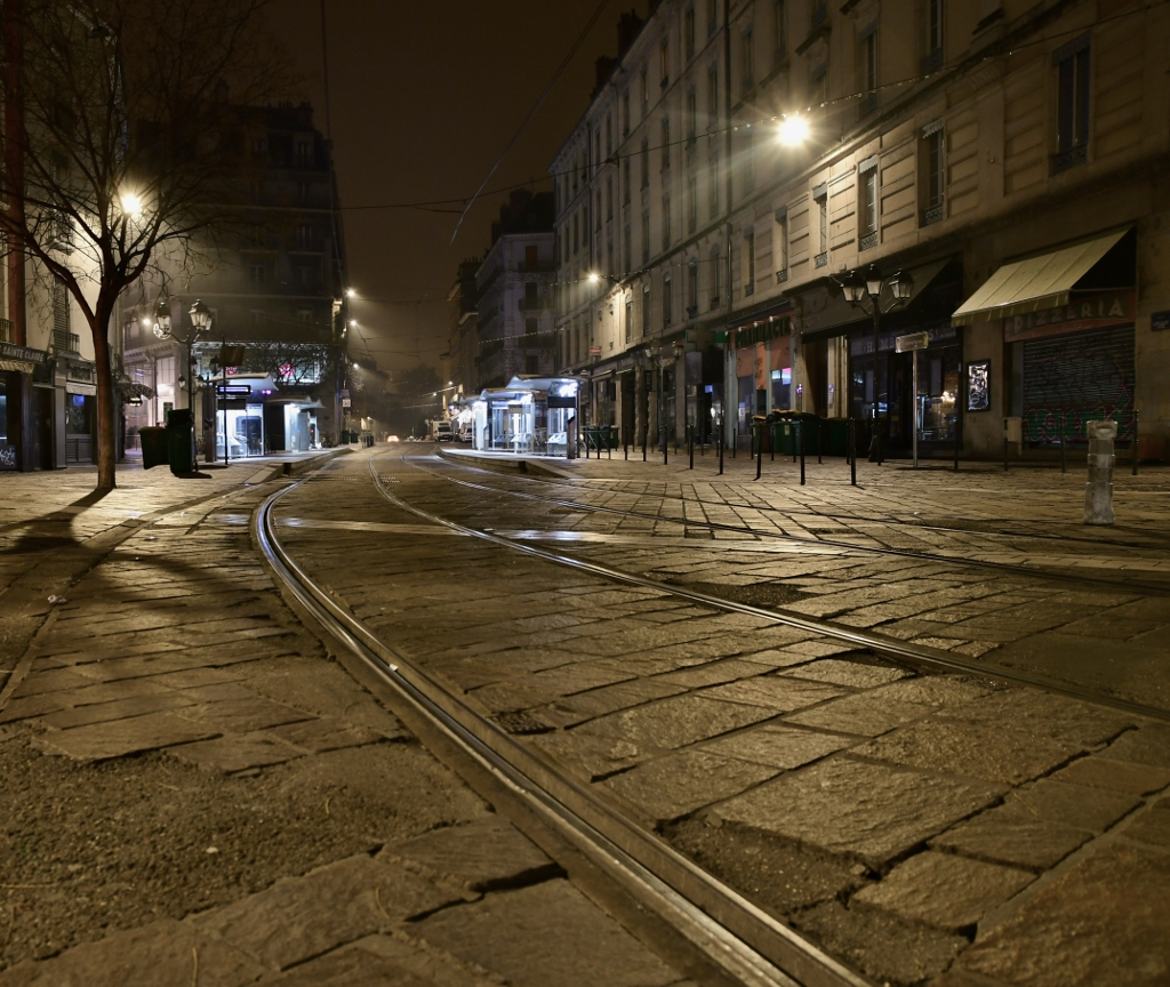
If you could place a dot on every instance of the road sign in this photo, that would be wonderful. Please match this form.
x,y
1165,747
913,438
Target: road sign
x,y
911,342
233,390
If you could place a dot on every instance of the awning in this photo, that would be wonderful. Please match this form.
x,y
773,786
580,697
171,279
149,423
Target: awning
x,y
1035,283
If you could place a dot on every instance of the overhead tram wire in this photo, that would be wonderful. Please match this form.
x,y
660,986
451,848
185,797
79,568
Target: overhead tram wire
x,y
593,18
426,204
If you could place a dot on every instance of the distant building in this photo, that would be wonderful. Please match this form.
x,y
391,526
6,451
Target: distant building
x,y
1007,156
274,281
463,344
514,293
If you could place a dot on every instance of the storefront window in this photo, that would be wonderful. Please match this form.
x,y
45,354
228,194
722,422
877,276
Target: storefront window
x,y
782,388
245,429
77,415
938,389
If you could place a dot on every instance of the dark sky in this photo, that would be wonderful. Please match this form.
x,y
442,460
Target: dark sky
x,y
423,98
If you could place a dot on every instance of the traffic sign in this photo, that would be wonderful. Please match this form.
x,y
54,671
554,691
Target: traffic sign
x,y
911,342
233,390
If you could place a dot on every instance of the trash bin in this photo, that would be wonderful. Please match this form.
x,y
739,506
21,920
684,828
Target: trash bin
x,y
835,436
180,441
154,446
785,438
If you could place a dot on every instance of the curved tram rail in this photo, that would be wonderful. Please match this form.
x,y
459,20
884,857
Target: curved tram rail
x,y
1034,572
739,938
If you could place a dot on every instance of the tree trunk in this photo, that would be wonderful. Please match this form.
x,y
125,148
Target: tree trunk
x,y
106,456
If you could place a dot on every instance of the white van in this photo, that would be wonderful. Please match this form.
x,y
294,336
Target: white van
x,y
441,432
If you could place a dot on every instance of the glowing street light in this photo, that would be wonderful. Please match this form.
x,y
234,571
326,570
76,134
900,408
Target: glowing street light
x,y
350,293
793,130
131,205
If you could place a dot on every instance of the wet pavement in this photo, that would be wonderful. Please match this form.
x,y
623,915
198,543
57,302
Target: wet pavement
x,y
923,828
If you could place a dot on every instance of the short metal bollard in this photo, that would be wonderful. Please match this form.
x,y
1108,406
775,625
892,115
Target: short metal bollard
x,y
1099,486
852,440
759,447
720,441
800,445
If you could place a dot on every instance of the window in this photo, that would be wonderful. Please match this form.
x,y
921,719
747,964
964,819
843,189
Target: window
x,y
1072,106
530,327
665,143
712,16
666,232
531,294
931,174
749,262
645,163
689,33
646,308
779,33
712,97
716,265
596,149
531,363
692,203
629,326
867,205
664,62
780,245
531,257
257,273
597,210
627,251
692,288
609,146
626,181
867,70
932,57
748,72
667,313
713,181
748,170
304,151
608,197
692,116
821,208
646,237
61,310
645,95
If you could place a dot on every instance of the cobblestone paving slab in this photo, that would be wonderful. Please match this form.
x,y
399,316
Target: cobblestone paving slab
x,y
555,938
866,809
165,953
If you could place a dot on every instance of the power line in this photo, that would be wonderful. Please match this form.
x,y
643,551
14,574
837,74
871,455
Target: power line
x,y
532,111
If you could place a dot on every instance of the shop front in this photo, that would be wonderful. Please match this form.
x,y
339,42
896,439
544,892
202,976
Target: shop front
x,y
26,412
763,369
1062,325
534,415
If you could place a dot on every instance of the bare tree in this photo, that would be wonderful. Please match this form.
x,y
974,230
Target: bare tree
x,y
117,138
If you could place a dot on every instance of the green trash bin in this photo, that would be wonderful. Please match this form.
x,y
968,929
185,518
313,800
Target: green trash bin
x,y
154,446
180,440
836,432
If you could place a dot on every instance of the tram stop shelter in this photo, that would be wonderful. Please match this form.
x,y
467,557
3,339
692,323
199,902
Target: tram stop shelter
x,y
531,416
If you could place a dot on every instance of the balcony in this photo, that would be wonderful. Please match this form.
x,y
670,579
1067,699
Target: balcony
x,y
66,342
5,331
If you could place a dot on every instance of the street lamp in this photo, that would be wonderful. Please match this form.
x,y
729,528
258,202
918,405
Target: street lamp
x,y
200,323
864,291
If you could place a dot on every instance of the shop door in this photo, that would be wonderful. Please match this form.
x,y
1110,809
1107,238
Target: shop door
x,y
1077,378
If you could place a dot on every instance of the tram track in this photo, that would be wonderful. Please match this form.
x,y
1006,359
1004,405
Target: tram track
x,y
745,942
1127,585
742,940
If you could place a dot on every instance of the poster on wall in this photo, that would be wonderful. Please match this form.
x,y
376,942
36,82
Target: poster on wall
x,y
979,385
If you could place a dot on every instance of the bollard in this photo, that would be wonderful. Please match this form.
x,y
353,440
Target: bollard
x,y
691,438
800,444
625,445
645,439
1099,486
608,446
1134,458
759,444
1063,461
852,452
720,441
958,444
665,446
734,440
820,439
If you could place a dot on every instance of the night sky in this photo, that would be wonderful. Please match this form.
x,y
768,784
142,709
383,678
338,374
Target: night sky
x,y
423,98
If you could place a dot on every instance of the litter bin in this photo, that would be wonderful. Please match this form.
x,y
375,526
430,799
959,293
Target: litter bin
x,y
835,432
154,446
180,441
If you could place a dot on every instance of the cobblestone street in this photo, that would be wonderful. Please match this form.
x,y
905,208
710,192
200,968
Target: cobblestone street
x,y
199,794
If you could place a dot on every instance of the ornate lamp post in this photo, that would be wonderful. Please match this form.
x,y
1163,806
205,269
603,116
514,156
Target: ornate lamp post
x,y
200,316
864,291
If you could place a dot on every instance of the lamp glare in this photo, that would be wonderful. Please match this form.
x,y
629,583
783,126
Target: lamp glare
x,y
793,130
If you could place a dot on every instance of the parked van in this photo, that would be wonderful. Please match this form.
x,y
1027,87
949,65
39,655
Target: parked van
x,y
441,432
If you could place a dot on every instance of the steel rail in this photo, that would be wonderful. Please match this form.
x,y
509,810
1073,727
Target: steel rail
x,y
740,938
1153,589
901,652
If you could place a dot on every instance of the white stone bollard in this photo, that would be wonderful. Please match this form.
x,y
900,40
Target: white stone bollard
x,y
1099,486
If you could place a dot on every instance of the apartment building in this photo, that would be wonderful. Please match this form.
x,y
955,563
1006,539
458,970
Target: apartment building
x,y
513,288
997,163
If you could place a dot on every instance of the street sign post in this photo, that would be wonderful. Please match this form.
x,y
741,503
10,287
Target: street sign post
x,y
233,390
912,343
